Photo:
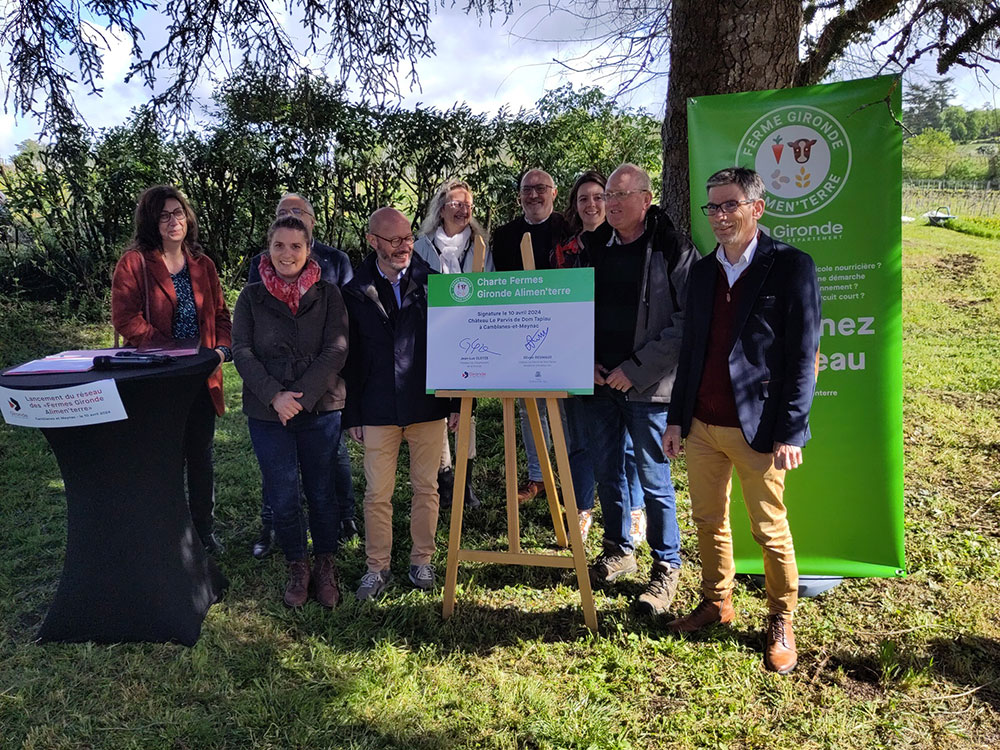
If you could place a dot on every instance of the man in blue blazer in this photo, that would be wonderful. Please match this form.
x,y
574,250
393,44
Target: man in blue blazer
x,y
744,386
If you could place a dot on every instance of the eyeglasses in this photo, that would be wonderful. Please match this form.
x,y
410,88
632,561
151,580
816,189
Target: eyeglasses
x,y
727,207
281,213
620,195
177,213
395,242
528,190
455,205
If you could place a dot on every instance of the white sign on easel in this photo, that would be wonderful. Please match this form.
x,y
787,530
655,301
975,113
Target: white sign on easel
x,y
90,403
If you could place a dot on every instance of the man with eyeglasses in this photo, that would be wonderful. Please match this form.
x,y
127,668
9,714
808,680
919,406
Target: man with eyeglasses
x,y
386,396
335,268
547,228
640,285
741,399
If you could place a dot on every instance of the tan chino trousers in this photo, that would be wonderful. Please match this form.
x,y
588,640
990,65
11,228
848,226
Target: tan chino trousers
x,y
381,453
712,453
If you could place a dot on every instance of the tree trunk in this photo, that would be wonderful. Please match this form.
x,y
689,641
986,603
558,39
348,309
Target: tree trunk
x,y
721,48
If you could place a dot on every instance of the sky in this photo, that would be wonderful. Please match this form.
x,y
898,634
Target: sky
x,y
485,65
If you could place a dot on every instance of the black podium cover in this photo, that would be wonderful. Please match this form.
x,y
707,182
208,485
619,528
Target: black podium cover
x,y
135,569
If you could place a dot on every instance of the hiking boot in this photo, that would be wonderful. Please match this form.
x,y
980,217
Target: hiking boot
x,y
297,590
529,491
326,582
446,486
638,530
373,583
471,501
422,576
780,655
586,518
348,530
656,598
708,612
611,565
263,544
213,545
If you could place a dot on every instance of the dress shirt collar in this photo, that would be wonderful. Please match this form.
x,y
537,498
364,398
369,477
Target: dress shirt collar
x,y
735,270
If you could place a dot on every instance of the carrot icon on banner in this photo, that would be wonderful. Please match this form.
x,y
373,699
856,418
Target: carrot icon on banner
x,y
777,147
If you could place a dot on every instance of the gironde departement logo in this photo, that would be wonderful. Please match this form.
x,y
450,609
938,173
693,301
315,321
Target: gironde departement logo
x,y
803,155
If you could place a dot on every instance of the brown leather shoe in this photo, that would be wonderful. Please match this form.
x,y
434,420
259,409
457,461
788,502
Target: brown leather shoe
x,y
529,491
297,590
780,655
708,612
326,582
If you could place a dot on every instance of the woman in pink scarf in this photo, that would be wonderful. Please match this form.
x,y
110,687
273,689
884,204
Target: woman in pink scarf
x,y
289,345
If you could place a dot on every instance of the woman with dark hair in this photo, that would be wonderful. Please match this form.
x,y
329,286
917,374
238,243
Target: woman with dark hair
x,y
586,217
289,345
165,292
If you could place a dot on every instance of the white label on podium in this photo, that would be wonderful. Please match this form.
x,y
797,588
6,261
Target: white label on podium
x,y
91,403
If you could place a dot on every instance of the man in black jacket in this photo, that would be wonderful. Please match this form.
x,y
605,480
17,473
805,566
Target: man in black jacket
x,y
386,377
335,267
742,395
537,196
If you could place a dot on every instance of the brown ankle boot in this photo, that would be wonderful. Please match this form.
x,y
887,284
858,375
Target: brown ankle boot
x,y
780,655
708,612
297,590
326,582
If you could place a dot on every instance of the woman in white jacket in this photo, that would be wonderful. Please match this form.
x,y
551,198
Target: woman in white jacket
x,y
447,239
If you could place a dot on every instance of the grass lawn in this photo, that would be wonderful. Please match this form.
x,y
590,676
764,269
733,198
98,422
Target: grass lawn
x,y
912,662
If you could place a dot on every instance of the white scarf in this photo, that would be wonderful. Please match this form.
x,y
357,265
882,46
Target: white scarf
x,y
450,249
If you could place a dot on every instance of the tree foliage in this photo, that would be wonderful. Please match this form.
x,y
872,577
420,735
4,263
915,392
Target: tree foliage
x,y
71,203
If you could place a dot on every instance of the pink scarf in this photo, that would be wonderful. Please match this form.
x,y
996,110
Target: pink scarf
x,y
288,292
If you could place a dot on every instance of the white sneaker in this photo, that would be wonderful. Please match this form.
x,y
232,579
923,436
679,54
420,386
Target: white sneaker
x,y
638,527
586,521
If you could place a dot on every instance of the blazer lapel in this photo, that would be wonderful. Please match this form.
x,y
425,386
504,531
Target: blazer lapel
x,y
199,284
753,281
160,276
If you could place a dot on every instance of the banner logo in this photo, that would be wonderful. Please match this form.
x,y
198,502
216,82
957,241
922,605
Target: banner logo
x,y
460,289
13,404
803,155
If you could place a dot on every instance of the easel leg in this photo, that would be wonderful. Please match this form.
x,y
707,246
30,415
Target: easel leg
x,y
457,505
569,501
547,477
510,469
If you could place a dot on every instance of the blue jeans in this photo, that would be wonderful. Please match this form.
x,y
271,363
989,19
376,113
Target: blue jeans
x,y
582,465
609,417
530,449
307,444
342,480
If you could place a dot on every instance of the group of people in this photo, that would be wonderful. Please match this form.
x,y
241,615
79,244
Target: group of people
x,y
715,353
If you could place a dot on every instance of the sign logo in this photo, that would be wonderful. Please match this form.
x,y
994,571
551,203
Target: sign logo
x,y
460,289
803,155
12,403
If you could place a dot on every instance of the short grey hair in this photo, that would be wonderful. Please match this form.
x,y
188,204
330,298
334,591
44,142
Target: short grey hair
x,y
744,178
640,175
301,197
433,219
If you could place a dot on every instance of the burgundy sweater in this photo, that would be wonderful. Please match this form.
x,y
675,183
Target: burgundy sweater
x,y
715,404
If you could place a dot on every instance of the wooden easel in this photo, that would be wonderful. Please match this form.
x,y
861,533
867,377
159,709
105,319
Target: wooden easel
x,y
513,555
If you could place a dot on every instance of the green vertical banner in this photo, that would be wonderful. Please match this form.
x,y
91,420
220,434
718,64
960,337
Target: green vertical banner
x,y
830,157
